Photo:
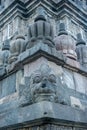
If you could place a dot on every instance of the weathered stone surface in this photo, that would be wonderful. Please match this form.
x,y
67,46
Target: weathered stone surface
x,y
46,84
17,103
65,43
4,56
2,71
73,63
56,68
43,84
68,78
8,86
75,102
29,68
17,46
42,111
19,79
9,99
81,50
80,83
41,30
50,127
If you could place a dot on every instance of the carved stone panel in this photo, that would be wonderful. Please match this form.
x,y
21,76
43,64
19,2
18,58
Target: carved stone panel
x,y
43,84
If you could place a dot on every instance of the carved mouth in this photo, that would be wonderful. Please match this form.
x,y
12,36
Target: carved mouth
x,y
46,94
44,97
44,91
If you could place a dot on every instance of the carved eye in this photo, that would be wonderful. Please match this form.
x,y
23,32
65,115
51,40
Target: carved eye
x,y
37,79
52,78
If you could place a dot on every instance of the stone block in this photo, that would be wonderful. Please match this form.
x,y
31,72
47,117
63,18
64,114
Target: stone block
x,y
31,67
2,71
0,89
19,79
56,68
8,85
23,55
8,98
72,63
80,83
46,48
68,78
75,102
42,111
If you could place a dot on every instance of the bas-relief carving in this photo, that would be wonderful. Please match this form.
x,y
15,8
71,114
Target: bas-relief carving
x,y
44,85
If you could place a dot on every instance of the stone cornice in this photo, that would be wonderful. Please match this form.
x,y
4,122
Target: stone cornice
x,y
43,112
38,51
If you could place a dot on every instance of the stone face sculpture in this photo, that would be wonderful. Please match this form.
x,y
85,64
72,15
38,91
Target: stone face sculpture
x,y
17,46
43,85
40,30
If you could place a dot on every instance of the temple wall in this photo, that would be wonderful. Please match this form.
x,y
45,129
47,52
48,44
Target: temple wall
x,y
43,65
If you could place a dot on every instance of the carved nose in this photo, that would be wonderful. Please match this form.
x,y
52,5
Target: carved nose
x,y
43,85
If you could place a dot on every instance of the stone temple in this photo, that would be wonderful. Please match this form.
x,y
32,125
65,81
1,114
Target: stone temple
x,y
43,65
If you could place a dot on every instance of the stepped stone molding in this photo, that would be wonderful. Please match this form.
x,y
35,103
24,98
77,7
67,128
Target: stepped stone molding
x,y
25,11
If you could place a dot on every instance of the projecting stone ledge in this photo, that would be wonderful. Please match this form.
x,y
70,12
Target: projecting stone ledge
x,y
50,53
43,112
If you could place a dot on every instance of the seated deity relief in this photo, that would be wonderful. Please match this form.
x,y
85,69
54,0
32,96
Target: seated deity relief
x,y
45,85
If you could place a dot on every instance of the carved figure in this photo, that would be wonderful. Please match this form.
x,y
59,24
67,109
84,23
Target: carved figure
x,y
43,84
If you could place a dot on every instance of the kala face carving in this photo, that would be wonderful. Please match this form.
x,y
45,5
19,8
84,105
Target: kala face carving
x,y
43,84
